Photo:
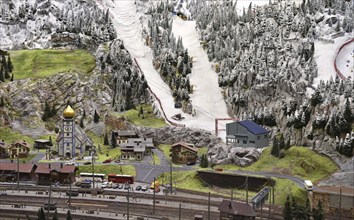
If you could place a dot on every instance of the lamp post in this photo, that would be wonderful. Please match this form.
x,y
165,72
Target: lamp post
x,y
93,167
18,173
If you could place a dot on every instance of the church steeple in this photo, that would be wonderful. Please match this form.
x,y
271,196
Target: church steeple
x,y
69,112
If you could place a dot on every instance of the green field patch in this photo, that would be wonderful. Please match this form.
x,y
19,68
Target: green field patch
x,y
149,119
284,187
298,161
155,159
108,169
104,152
44,63
165,148
9,136
202,150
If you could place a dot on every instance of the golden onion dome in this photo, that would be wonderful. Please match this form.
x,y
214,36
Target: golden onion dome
x,y
69,112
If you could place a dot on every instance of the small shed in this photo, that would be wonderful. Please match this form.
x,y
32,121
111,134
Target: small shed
x,y
42,144
233,210
184,153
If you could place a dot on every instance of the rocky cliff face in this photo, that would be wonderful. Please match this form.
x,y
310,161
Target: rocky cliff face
x,y
26,24
25,100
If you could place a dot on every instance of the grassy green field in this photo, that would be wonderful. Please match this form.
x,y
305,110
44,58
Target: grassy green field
x,y
298,161
284,187
155,159
165,148
108,169
43,63
105,152
149,120
9,136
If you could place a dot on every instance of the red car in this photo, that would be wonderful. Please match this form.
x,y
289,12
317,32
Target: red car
x,y
107,161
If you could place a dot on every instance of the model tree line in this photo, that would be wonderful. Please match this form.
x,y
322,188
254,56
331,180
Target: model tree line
x,y
269,50
170,58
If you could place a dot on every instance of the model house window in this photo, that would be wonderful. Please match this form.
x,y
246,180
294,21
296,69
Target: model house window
x,y
265,136
258,137
252,142
244,142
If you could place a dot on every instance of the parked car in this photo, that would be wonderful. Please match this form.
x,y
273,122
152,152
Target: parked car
x,y
144,188
72,193
104,185
190,163
138,188
107,161
117,161
51,206
120,186
126,186
114,186
87,163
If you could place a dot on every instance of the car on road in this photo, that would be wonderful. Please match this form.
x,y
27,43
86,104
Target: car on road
x,y
144,188
3,194
104,185
126,186
190,163
114,186
120,186
107,161
51,206
117,161
87,163
138,188
73,193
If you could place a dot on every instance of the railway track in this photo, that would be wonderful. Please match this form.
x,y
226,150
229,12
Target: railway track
x,y
188,209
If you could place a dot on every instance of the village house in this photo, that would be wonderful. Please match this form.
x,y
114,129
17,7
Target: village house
x,y
19,148
122,136
246,134
8,171
3,149
55,173
136,148
184,153
231,210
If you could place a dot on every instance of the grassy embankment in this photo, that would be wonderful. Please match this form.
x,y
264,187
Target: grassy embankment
x,y
104,152
149,120
299,161
48,62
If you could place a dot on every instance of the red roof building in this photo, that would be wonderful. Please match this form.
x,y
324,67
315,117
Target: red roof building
x,y
55,172
8,171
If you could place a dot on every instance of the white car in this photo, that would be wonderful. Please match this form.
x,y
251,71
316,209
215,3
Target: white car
x,y
104,185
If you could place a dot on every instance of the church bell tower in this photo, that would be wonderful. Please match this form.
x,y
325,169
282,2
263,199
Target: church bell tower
x,y
68,132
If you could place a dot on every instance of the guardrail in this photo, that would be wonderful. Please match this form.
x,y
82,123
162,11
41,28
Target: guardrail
x,y
339,73
158,100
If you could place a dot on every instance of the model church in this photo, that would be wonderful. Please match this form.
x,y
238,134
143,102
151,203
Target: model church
x,y
72,140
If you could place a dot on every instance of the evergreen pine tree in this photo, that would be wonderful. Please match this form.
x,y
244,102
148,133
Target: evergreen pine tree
x,y
9,65
41,215
307,211
141,112
55,216
68,215
294,207
287,209
105,139
47,112
82,125
318,213
348,115
2,102
84,114
275,148
113,140
96,117
2,77
12,78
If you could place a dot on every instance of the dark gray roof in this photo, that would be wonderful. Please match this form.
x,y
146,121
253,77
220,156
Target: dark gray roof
x,y
236,208
126,133
253,127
